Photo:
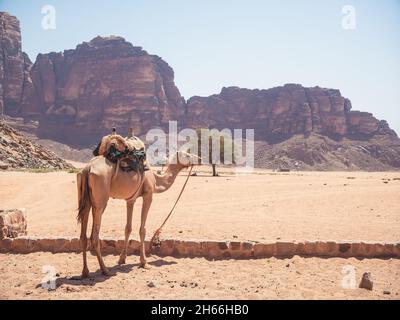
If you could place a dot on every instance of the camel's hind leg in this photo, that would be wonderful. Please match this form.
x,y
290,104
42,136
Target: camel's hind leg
x,y
99,198
84,205
128,230
83,239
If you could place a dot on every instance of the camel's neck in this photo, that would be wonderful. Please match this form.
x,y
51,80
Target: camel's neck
x,y
165,181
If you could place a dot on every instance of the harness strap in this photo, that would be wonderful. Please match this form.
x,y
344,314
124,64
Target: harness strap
x,y
115,171
136,194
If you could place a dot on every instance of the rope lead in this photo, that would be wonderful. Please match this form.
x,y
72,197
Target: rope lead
x,y
155,240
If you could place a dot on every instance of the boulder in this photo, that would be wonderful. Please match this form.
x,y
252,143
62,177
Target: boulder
x,y
3,165
12,223
366,281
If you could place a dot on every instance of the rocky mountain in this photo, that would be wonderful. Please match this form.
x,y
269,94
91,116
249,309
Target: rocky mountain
x,y
279,113
14,65
78,95
19,152
318,152
30,130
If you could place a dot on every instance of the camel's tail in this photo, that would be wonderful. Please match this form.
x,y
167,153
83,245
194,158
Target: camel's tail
x,y
84,203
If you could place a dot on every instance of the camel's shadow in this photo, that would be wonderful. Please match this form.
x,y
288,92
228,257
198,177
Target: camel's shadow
x,y
97,277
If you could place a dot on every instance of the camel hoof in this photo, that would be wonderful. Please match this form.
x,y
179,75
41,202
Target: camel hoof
x,y
85,274
106,273
122,261
144,266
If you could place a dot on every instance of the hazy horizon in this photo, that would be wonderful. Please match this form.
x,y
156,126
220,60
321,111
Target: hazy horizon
x,y
252,44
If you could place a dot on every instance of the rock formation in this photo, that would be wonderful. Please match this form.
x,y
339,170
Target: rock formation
x,y
80,94
366,281
278,113
318,152
18,152
14,65
12,223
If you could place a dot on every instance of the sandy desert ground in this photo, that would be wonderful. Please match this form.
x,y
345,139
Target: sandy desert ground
x,y
264,206
171,278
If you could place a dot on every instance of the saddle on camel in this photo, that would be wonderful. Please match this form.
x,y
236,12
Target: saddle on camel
x,y
129,151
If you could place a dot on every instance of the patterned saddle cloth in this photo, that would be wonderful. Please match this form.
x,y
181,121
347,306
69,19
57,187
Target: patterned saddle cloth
x,y
131,158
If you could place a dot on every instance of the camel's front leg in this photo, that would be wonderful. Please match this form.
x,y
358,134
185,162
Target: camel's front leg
x,y
147,199
128,230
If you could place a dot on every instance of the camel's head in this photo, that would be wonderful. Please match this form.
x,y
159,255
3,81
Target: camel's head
x,y
109,141
187,159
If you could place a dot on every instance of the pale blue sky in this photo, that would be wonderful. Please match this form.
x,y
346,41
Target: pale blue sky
x,y
251,44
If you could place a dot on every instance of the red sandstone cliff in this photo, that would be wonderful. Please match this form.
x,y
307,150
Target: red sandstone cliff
x,y
284,111
78,95
14,65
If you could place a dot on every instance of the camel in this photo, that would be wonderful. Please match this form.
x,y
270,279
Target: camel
x,y
102,179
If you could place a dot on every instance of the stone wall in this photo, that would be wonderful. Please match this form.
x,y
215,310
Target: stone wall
x,y
212,249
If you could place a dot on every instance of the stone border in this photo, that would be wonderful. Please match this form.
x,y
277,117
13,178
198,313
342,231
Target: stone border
x,y
211,249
